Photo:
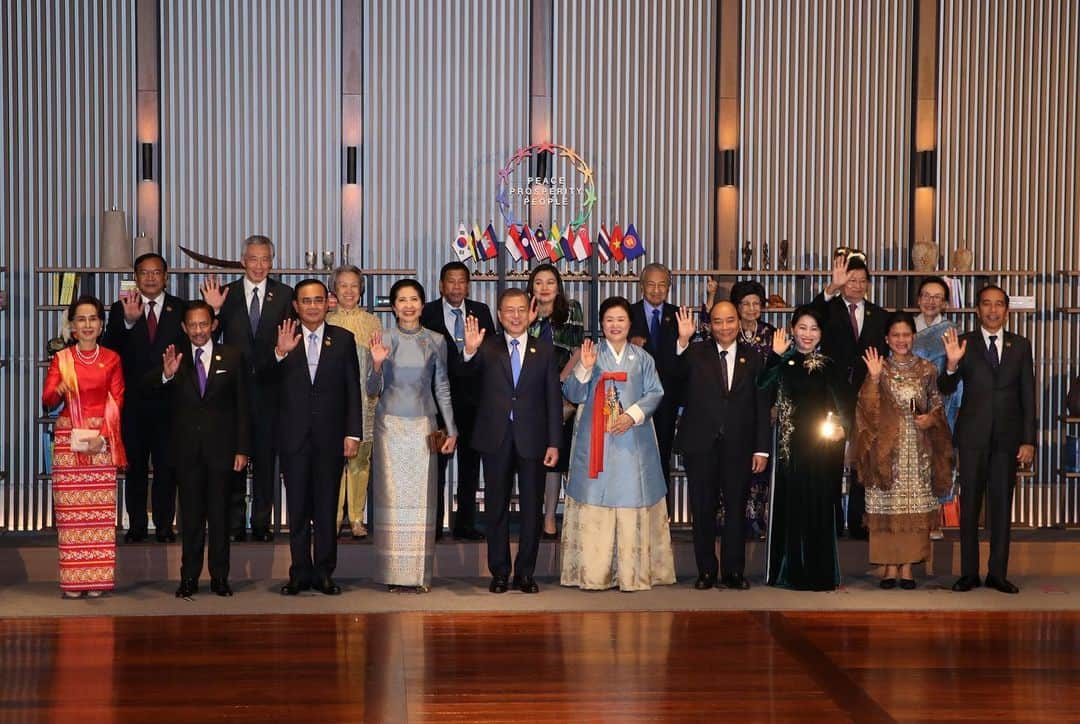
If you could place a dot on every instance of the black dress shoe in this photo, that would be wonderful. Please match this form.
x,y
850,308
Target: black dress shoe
x,y
498,584
134,536
468,534
328,587
526,584
220,586
705,581
908,584
1001,584
965,583
887,583
239,537
736,581
262,536
167,535
187,589
293,587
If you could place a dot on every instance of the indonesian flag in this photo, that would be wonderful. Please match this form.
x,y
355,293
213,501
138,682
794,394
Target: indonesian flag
x,y
632,247
555,250
616,243
487,241
514,245
462,245
580,246
539,244
603,244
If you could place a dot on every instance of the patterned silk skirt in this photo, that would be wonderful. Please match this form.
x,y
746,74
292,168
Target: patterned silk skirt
x,y
607,547
84,499
403,487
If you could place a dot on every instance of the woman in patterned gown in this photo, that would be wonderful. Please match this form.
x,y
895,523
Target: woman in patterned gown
x,y
87,450
808,459
903,452
408,362
615,526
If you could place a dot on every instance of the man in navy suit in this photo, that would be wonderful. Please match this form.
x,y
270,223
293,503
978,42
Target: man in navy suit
x,y
518,429
653,325
995,431
446,315
210,441
319,425
142,324
249,311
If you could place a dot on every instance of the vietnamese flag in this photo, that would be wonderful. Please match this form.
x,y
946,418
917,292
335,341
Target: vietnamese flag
x,y
616,243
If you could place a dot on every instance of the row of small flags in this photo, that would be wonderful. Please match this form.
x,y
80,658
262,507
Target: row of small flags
x,y
573,245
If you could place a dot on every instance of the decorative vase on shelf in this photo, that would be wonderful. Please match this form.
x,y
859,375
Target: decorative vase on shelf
x,y
115,250
144,245
924,256
961,259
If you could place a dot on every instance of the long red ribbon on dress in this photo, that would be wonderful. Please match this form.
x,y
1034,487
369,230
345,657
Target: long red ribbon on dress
x,y
599,423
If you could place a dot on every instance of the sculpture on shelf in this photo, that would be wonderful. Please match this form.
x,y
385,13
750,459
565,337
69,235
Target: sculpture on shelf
x,y
309,260
766,262
924,256
785,254
144,244
747,256
961,259
211,261
328,260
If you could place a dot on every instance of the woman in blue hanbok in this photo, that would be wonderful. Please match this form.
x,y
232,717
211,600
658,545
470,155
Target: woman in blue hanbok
x,y
615,525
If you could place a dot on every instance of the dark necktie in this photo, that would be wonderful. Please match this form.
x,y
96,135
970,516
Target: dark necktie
x,y
151,321
200,371
255,311
654,330
459,329
995,359
723,370
854,319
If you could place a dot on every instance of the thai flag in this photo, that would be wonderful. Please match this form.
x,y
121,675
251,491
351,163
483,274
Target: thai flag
x,y
603,244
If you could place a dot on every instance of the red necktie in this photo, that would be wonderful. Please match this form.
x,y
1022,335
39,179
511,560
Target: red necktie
x,y
151,321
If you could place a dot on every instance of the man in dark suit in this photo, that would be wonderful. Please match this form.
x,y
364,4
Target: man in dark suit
x,y
653,325
446,315
319,425
211,437
853,324
141,325
249,311
724,437
995,431
518,429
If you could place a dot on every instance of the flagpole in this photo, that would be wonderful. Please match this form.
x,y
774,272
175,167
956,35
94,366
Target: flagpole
x,y
500,269
594,290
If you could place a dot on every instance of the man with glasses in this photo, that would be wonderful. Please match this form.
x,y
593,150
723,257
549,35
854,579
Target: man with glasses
x,y
249,311
142,324
853,324
654,326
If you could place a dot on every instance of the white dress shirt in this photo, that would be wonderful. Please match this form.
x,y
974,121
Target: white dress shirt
x,y
159,304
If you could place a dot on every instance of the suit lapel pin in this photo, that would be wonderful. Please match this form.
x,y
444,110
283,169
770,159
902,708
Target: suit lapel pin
x,y
1008,344
217,358
269,296
327,342
168,308
532,350
667,319
791,362
742,360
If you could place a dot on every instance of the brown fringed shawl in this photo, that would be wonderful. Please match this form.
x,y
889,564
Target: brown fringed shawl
x,y
877,433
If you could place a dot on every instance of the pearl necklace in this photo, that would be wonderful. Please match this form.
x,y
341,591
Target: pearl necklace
x,y
91,359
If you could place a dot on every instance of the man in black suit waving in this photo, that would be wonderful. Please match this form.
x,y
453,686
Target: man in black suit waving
x,y
853,324
995,431
249,311
211,438
518,429
724,435
319,425
653,325
142,324
446,315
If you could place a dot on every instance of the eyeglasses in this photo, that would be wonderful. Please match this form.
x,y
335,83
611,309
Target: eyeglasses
x,y
933,297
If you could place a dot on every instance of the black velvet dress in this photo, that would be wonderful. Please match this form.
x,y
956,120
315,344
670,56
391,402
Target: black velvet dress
x,y
808,469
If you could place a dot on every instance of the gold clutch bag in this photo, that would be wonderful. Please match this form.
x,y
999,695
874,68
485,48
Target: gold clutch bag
x,y
82,438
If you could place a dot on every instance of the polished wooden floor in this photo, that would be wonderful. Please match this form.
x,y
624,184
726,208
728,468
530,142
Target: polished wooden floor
x,y
568,667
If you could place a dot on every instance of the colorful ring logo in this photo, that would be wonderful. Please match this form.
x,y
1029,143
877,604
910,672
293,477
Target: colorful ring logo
x,y
523,154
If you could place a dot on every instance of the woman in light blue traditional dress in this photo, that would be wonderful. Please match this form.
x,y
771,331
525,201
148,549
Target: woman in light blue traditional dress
x,y
407,362
615,526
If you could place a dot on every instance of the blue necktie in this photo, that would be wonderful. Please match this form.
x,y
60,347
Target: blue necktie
x,y
313,354
995,360
654,330
459,329
255,311
515,361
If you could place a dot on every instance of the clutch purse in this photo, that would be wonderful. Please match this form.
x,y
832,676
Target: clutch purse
x,y
81,437
435,440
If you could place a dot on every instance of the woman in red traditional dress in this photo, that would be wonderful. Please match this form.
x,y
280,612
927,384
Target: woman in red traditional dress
x,y
86,452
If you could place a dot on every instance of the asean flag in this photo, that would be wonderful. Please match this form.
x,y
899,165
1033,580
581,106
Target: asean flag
x,y
632,247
